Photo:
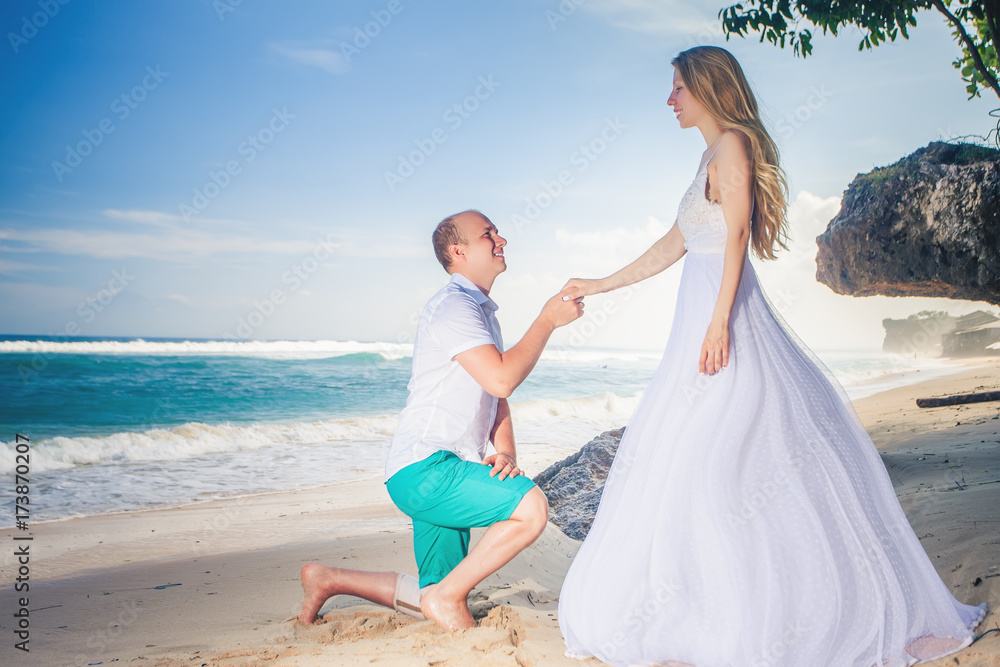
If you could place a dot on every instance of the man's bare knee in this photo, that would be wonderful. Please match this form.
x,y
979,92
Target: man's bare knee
x,y
533,510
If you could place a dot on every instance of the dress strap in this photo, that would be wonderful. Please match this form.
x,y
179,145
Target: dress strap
x,y
709,159
717,144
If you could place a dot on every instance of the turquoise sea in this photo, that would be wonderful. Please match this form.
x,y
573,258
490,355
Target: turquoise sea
x,y
127,424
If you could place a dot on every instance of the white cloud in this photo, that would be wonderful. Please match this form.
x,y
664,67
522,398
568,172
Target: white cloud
x,y
160,219
790,280
179,245
154,218
165,237
619,241
820,317
10,268
808,217
325,59
635,318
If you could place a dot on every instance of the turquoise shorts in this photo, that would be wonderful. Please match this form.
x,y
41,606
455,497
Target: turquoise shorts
x,y
445,497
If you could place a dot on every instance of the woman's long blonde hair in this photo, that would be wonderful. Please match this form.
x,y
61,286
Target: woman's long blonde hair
x,y
716,80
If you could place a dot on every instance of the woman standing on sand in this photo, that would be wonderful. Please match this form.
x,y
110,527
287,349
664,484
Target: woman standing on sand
x,y
747,519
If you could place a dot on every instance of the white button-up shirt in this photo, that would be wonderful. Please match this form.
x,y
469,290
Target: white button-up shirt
x,y
446,408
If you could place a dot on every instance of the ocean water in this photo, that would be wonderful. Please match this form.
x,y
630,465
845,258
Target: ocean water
x,y
124,424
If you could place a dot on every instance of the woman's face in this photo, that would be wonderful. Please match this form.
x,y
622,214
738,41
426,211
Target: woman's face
x,y
687,111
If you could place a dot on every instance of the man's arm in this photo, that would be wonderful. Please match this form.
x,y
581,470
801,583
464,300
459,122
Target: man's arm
x,y
504,461
500,373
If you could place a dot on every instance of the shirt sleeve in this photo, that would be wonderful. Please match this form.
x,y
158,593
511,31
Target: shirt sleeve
x,y
459,324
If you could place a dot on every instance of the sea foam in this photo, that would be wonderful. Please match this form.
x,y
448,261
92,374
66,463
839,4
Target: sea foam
x,y
192,440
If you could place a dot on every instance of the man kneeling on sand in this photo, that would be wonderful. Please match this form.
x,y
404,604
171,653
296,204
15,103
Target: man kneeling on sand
x,y
436,472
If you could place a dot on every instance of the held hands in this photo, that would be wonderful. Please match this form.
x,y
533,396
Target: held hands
x,y
503,464
563,308
715,349
584,287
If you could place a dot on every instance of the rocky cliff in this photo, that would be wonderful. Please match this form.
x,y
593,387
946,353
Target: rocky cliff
x,y
919,335
928,225
575,484
938,334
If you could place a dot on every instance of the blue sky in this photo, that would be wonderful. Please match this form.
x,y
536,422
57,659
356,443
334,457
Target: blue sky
x,y
269,170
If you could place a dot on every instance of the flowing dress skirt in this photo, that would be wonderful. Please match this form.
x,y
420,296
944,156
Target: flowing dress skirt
x,y
748,520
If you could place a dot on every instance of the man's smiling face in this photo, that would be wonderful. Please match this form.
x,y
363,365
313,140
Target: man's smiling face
x,y
482,254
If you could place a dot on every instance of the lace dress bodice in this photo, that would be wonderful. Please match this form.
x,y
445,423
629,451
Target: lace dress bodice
x,y
701,221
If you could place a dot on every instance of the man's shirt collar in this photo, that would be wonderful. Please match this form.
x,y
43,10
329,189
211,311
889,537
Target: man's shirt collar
x,y
471,288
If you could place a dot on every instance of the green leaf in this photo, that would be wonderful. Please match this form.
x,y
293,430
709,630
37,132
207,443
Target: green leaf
x,y
878,22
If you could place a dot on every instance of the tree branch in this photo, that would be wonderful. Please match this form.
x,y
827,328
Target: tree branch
x,y
971,45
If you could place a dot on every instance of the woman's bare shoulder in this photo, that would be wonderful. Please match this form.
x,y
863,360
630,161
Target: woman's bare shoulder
x,y
734,145
731,164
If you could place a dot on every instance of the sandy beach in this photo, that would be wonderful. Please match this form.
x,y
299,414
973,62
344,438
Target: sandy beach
x,y
217,583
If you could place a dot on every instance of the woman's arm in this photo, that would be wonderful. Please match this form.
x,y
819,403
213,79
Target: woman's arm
x,y
732,168
658,258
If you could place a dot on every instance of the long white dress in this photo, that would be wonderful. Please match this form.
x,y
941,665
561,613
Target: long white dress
x,y
747,519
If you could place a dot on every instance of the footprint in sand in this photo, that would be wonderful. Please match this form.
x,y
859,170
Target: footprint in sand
x,y
501,632
354,627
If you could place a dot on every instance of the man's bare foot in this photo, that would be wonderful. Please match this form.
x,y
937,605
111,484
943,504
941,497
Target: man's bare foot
x,y
449,614
319,583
